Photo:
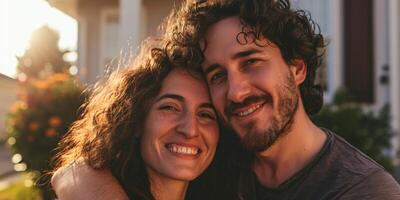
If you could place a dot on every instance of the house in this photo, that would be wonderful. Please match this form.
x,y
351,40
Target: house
x,y
107,26
8,91
363,54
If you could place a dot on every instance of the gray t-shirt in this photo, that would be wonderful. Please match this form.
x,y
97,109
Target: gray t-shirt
x,y
340,171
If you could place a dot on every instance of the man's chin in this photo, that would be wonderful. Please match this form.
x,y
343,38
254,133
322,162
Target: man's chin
x,y
257,140
253,137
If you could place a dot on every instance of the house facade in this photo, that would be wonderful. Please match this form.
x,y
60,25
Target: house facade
x,y
8,91
363,54
111,29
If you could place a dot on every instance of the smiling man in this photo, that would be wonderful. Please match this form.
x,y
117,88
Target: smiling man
x,y
253,88
260,59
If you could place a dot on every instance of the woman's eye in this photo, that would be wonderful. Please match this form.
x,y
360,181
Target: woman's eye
x,y
168,108
207,115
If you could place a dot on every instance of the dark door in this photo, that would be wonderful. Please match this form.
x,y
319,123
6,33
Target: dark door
x,y
358,34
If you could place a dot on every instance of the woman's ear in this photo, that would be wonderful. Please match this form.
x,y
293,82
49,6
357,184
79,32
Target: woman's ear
x,y
299,70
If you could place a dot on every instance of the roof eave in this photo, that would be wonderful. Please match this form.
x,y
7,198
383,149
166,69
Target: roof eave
x,y
69,7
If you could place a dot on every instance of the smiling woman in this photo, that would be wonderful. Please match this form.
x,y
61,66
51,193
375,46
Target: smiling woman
x,y
151,124
18,18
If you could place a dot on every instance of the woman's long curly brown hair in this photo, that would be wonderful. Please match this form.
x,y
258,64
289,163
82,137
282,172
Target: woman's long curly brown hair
x,y
293,31
107,134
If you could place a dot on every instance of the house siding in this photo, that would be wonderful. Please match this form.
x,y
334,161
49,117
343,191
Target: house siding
x,y
89,12
8,91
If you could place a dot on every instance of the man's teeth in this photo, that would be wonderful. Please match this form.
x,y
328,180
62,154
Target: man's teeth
x,y
249,111
183,150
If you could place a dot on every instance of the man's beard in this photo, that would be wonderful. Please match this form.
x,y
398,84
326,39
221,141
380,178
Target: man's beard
x,y
258,140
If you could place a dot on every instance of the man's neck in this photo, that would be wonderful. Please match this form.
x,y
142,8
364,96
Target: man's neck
x,y
290,153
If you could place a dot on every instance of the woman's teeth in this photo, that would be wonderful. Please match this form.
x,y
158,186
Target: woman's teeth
x,y
183,149
249,111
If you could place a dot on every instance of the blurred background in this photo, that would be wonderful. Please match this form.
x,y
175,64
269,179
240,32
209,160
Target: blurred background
x,y
51,50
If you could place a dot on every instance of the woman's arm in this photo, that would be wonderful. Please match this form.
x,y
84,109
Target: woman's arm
x,y
79,181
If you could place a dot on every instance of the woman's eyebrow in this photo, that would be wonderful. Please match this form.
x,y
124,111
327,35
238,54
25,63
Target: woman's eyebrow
x,y
171,96
182,99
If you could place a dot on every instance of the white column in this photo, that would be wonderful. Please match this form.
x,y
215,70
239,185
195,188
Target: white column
x,y
83,66
381,52
130,23
394,44
335,49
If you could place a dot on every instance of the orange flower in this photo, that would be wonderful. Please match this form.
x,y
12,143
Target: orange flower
x,y
22,94
18,105
51,133
59,77
40,84
34,126
54,121
11,122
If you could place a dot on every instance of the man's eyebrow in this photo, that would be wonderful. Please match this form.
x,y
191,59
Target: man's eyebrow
x,y
245,53
171,96
210,69
235,56
206,105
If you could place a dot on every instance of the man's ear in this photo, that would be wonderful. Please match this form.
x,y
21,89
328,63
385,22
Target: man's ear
x,y
299,70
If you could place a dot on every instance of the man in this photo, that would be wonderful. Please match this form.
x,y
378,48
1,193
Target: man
x,y
260,59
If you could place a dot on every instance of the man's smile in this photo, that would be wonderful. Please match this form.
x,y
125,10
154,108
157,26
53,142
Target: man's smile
x,y
249,110
248,107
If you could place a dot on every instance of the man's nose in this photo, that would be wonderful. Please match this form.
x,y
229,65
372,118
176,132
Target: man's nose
x,y
239,88
187,126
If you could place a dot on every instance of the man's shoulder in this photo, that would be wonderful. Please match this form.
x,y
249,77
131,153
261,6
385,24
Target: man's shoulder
x,y
377,185
346,170
349,158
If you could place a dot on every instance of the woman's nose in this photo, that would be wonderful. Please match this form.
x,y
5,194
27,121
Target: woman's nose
x,y
188,126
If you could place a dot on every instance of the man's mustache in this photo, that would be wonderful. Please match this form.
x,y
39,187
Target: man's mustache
x,y
232,106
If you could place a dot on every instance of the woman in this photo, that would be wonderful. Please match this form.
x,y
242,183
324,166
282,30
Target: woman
x,y
152,125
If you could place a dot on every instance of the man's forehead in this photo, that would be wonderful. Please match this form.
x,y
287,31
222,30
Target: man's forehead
x,y
227,27
220,37
228,33
236,49
229,39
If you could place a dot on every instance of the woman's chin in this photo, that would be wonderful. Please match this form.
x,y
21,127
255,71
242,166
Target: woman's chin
x,y
184,174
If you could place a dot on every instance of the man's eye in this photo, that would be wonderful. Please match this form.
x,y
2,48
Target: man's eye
x,y
251,61
217,77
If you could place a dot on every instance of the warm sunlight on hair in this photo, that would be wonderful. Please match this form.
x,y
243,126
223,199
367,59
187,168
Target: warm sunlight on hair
x,y
18,18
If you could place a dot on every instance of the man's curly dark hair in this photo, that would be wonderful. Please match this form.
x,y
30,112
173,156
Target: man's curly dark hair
x,y
293,31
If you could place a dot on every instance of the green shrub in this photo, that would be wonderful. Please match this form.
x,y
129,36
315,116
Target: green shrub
x,y
21,190
369,132
42,115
